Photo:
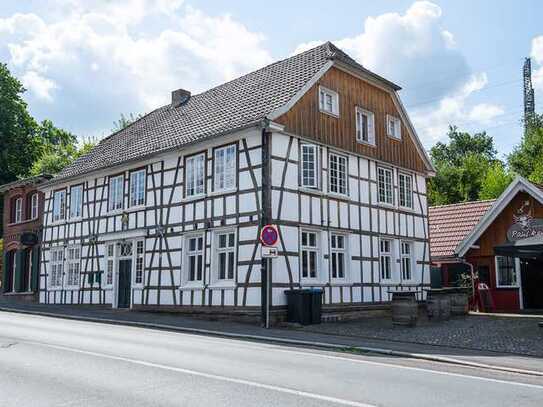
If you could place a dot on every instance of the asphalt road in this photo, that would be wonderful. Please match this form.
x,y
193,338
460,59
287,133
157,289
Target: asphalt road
x,y
55,362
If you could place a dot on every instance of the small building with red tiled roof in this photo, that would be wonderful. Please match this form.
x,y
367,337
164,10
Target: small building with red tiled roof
x,y
501,240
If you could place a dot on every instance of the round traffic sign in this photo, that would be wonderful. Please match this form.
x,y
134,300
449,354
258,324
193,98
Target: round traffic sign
x,y
269,235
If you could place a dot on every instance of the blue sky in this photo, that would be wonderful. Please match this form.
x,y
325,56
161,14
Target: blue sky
x,y
459,62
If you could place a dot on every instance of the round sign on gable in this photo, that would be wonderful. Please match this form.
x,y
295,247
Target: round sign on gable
x,y
269,235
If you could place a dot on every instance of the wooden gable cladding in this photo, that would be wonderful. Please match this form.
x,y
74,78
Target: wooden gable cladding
x,y
496,233
305,119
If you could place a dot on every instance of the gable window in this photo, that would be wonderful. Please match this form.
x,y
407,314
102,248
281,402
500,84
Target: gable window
x,y
365,126
394,127
34,205
385,259
137,188
110,264
116,193
406,190
73,260
57,266
225,246
195,175
76,201
338,255
407,260
310,174
384,186
18,212
194,248
506,271
310,254
224,162
59,205
140,262
328,101
338,174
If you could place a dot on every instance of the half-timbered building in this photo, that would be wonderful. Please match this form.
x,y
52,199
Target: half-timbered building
x,y
166,213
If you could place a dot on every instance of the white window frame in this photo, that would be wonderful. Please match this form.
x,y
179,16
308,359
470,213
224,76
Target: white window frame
x,y
192,174
137,188
56,268
516,263
18,210
326,95
387,254
309,249
359,112
394,127
59,207
229,251
138,252
312,167
34,205
185,265
335,254
385,171
116,196
345,173
72,275
224,168
110,265
405,194
407,259
78,205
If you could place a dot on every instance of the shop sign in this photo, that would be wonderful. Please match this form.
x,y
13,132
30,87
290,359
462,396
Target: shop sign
x,y
525,226
29,239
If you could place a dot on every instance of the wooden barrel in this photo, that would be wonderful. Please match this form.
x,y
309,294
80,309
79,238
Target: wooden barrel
x,y
459,302
404,308
438,304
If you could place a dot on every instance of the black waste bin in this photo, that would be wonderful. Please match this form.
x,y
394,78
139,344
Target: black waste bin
x,y
304,306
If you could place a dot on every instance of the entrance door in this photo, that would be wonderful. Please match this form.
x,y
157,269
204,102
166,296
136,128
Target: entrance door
x,y
125,278
532,283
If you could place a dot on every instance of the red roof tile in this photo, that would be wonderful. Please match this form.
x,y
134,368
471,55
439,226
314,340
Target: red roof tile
x,y
449,225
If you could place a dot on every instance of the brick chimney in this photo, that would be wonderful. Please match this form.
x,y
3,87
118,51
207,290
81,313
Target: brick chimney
x,y
180,97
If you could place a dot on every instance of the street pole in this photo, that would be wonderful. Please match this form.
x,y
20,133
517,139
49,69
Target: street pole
x,y
268,294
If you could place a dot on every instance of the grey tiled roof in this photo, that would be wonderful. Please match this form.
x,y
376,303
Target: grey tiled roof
x,y
235,104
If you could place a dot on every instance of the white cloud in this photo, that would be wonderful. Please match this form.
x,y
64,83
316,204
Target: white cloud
x,y
90,61
537,55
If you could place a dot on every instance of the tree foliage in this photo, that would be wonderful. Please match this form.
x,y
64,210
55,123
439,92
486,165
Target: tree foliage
x,y
125,121
496,180
527,158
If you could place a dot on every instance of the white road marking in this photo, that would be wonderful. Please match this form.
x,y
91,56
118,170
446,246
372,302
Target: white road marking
x,y
281,389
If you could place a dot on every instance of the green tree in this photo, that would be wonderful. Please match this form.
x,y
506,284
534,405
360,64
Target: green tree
x,y
496,180
527,158
125,121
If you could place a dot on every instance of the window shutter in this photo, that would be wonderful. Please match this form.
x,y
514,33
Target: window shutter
x,y
35,276
91,278
99,277
19,262
5,267
371,128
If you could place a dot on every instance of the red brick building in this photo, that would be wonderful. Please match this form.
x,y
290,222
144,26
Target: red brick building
x,y
22,220
501,240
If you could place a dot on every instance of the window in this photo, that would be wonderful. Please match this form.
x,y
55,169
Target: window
x,y
76,201
310,254
384,184
328,101
59,205
506,271
338,254
57,265
110,264
365,126
137,188
394,127
406,190
195,258
310,173
116,192
224,162
140,262
73,261
407,260
385,259
18,214
338,174
34,205
225,245
195,175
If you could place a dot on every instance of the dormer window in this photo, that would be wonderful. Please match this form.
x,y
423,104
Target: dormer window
x,y
328,101
365,126
394,127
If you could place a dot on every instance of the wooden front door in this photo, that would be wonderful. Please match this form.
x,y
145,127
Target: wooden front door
x,y
124,286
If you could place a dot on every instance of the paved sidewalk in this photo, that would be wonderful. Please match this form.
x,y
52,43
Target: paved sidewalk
x,y
292,336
